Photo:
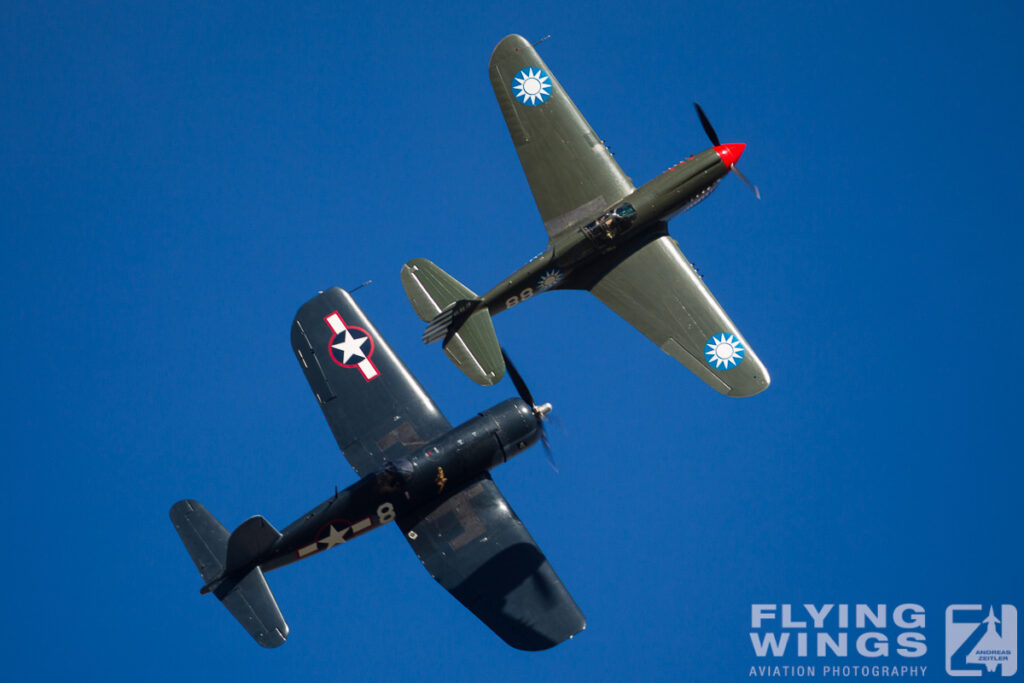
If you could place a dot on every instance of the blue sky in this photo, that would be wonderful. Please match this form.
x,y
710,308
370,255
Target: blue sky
x,y
176,179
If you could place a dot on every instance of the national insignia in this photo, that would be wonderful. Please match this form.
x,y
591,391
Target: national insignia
x,y
724,351
531,86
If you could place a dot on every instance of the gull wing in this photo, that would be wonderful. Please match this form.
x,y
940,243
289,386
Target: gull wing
x,y
571,173
376,409
658,291
474,545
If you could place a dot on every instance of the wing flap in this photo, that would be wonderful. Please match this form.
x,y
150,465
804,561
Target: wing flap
x,y
376,409
658,291
572,175
475,546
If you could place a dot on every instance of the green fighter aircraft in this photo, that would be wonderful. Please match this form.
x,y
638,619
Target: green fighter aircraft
x,y
605,236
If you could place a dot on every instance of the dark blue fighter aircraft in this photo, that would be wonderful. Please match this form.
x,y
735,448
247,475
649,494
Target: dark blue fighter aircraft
x,y
430,479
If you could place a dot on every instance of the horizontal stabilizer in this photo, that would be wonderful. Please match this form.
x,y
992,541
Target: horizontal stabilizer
x,y
475,350
247,597
205,539
454,314
430,289
250,602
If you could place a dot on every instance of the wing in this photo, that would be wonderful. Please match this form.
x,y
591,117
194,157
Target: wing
x,y
476,547
660,293
376,409
571,173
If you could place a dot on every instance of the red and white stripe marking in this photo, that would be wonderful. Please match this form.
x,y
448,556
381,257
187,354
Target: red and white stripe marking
x,y
366,366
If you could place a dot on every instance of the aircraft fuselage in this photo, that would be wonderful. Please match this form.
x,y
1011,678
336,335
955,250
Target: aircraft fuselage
x,y
425,478
636,218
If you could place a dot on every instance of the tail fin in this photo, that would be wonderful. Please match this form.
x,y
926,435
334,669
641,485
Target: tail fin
x,y
215,553
252,538
456,315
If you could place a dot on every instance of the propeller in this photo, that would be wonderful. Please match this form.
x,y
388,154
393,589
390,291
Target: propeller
x,y
708,128
713,136
539,411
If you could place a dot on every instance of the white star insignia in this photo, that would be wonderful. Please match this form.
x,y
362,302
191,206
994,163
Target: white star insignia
x,y
334,537
351,346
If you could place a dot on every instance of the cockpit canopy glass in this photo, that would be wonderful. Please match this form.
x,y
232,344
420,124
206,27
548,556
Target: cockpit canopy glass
x,y
400,468
394,476
625,211
611,224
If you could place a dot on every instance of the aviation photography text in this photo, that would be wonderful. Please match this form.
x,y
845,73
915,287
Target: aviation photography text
x,y
838,640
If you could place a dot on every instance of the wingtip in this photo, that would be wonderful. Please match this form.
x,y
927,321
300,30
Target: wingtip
x,y
759,383
490,379
274,638
510,44
482,377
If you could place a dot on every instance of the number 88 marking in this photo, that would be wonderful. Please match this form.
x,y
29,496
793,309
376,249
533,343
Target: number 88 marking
x,y
523,296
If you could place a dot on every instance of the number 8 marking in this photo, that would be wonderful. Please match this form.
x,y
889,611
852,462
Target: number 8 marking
x,y
385,513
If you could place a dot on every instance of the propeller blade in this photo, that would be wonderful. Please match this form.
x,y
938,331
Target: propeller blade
x,y
712,135
517,380
540,411
752,186
556,421
547,448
